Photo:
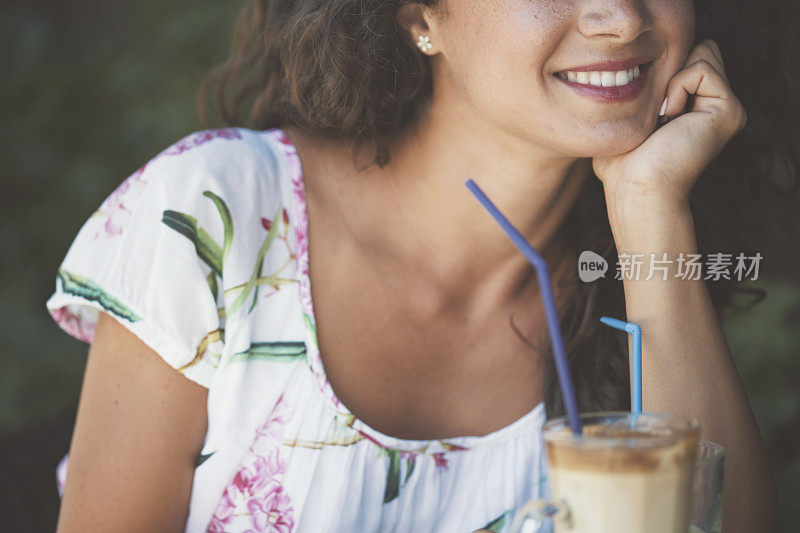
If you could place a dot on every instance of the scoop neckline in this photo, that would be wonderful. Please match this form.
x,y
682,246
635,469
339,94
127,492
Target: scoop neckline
x,y
530,422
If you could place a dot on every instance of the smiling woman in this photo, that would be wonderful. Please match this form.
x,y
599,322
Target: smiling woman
x,y
317,93
405,389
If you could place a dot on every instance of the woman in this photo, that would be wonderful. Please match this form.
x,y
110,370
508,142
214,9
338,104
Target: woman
x,y
426,412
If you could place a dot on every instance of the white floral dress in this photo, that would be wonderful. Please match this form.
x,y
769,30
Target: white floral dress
x,y
203,254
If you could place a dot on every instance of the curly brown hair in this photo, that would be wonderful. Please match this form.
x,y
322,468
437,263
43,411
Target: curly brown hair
x,y
338,69
345,69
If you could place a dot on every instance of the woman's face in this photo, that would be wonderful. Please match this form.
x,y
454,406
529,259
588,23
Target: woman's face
x,y
504,59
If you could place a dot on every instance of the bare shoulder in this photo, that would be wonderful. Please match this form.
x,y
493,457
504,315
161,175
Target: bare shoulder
x,y
139,429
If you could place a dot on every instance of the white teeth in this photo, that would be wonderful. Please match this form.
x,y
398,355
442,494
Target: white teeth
x,y
608,79
602,78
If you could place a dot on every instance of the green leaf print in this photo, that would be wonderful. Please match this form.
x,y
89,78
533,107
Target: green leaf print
x,y
311,327
215,256
411,462
497,524
252,285
396,462
227,222
202,459
273,351
88,289
212,284
392,477
207,249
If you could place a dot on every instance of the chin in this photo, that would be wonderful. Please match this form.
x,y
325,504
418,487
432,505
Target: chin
x,y
614,142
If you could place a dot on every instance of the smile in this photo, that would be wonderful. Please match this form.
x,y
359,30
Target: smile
x,y
609,81
604,78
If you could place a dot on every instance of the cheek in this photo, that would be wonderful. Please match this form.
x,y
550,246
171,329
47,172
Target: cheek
x,y
674,31
492,35
535,29
677,20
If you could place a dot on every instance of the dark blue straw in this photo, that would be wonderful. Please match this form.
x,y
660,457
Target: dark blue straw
x,y
553,326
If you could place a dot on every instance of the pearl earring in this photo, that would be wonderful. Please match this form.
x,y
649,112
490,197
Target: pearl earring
x,y
424,43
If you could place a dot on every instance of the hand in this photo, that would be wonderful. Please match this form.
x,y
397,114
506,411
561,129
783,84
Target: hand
x,y
668,163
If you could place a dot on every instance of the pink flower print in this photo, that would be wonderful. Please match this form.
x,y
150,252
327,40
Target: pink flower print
x,y
273,427
300,224
217,524
255,480
284,139
118,206
441,461
273,513
199,138
255,490
304,284
73,324
267,223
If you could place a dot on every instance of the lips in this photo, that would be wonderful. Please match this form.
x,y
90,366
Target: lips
x,y
607,81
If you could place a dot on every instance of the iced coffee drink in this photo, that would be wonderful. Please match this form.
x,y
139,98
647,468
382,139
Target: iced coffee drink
x,y
626,474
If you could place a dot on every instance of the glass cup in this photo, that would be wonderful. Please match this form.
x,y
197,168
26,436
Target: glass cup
x,y
706,511
627,473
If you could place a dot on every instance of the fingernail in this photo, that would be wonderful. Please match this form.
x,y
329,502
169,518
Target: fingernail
x,y
663,108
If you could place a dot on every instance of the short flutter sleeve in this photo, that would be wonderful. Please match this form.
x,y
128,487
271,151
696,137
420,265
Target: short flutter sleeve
x,y
151,257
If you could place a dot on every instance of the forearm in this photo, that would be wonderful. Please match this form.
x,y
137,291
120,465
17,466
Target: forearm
x,y
687,365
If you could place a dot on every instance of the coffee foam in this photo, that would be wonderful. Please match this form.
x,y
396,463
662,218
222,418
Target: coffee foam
x,y
619,448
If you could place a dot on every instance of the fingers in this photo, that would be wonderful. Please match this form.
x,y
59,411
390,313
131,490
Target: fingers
x,y
712,92
705,77
701,79
708,50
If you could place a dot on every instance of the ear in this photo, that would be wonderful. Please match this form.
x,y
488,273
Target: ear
x,y
419,20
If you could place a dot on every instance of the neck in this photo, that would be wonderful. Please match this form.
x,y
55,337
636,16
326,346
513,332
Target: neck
x,y
423,220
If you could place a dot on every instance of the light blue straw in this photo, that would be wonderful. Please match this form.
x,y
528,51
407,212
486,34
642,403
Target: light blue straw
x,y
553,326
636,363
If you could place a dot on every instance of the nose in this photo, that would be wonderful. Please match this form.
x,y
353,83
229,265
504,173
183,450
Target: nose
x,y
621,21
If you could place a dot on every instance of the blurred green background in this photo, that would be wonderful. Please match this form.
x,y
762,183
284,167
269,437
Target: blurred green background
x,y
93,90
